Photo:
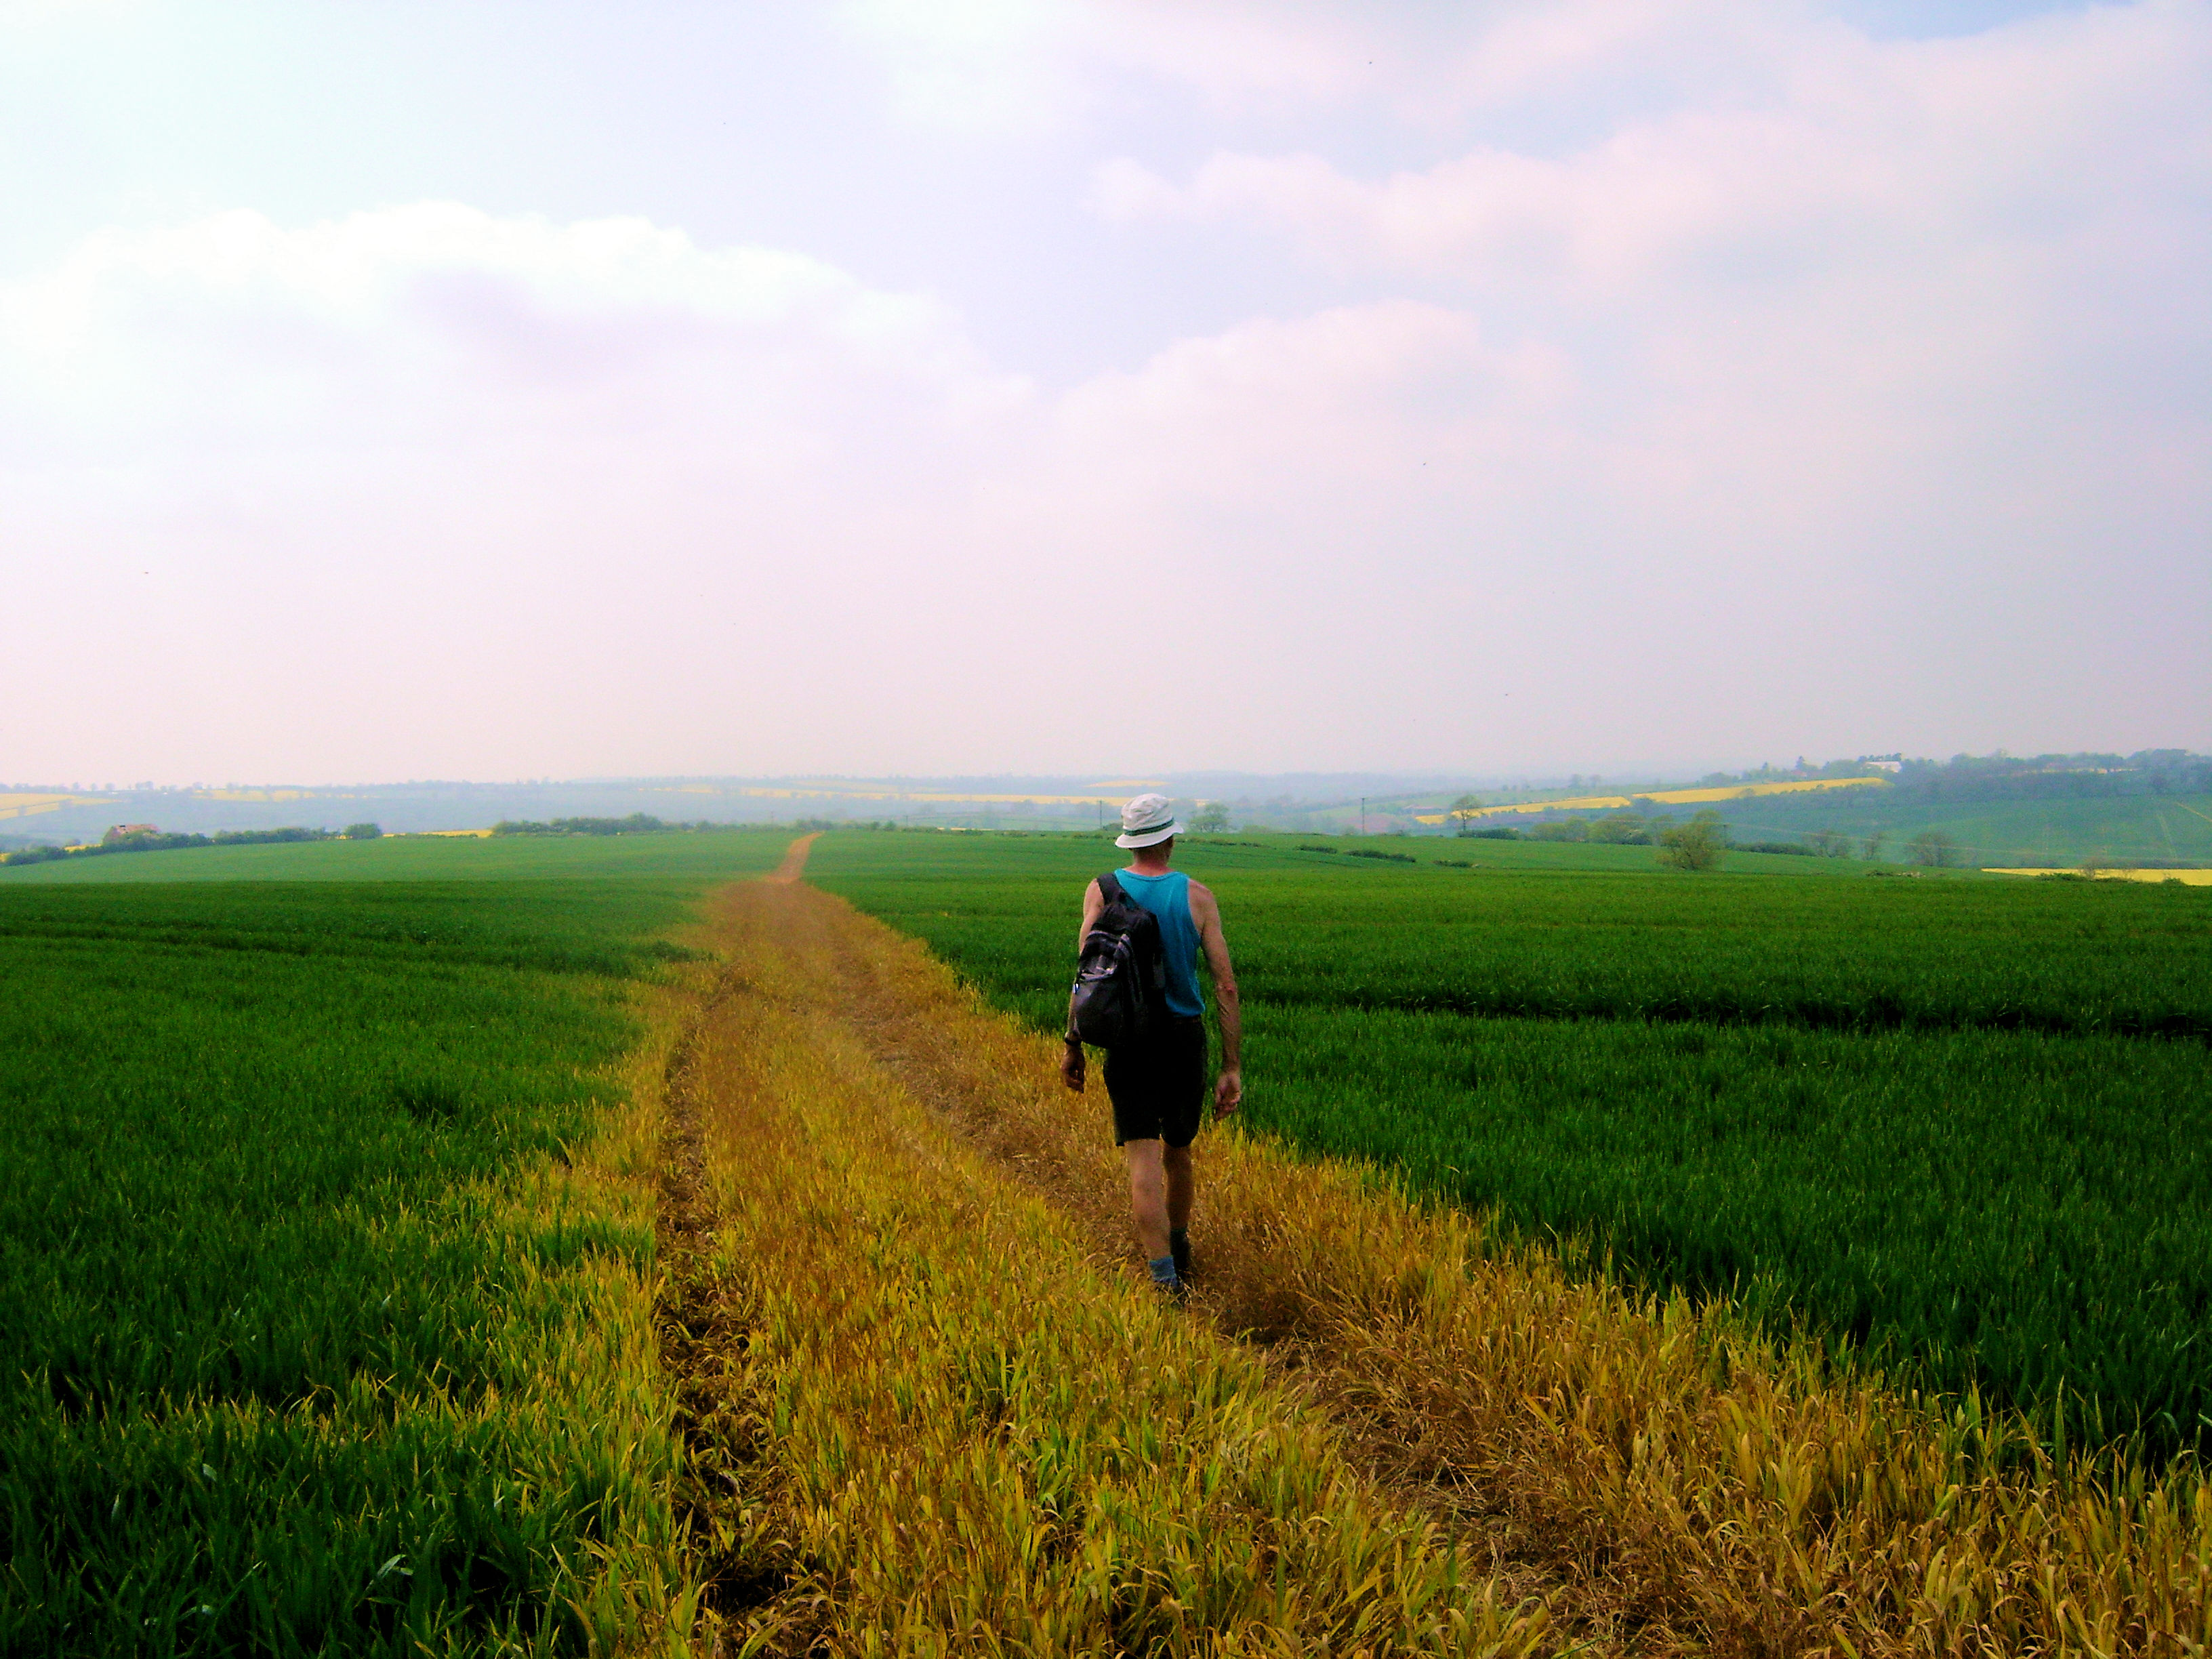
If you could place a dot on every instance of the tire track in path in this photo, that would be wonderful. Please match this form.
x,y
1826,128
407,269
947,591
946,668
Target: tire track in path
x,y
701,1322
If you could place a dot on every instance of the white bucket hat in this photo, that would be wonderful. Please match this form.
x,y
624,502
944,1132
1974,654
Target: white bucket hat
x,y
1146,822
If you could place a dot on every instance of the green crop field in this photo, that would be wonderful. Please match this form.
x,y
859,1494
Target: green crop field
x,y
2042,833
314,1335
692,855
1727,948
1480,853
1965,1123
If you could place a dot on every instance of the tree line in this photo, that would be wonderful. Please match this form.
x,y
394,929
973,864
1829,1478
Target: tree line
x,y
144,838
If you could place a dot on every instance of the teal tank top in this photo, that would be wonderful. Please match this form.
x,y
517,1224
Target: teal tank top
x,y
1168,897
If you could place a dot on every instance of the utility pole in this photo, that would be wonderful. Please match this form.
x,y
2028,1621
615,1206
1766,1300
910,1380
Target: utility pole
x,y
1363,815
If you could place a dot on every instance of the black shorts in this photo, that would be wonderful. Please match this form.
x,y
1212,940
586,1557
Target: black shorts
x,y
1158,1087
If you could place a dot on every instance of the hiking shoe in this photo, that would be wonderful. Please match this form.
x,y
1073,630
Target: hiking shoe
x,y
1166,1280
1179,1248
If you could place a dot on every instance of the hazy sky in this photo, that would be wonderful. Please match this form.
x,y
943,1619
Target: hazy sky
x,y
399,390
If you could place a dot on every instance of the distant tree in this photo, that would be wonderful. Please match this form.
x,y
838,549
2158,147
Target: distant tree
x,y
363,831
1463,811
1871,848
1932,849
1697,845
1210,819
1830,843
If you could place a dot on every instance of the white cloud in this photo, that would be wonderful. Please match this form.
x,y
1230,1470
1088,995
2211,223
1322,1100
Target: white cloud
x,y
438,474
1914,287
1865,379
1029,64
1856,153
383,496
505,297
977,66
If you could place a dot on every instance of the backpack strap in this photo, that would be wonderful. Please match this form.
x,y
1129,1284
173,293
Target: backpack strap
x,y
1109,888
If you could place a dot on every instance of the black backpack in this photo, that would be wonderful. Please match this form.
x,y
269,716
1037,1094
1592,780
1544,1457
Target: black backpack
x,y
1121,976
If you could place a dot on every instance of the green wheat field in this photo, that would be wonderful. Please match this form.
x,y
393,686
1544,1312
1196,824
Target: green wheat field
x,y
321,1335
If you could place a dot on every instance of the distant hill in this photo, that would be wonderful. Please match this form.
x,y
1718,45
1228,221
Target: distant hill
x,y
1998,810
2154,806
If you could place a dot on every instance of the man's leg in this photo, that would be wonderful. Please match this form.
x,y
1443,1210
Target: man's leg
x,y
1148,1193
1188,1095
1176,1160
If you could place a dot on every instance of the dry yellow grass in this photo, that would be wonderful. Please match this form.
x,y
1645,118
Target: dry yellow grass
x,y
949,1428
1669,1482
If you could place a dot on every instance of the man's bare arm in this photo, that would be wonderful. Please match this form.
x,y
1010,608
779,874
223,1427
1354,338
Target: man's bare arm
x,y
1094,906
1071,1062
1229,1087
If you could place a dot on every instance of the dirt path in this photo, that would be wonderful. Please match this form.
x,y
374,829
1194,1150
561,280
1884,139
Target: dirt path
x,y
834,1090
794,860
998,1086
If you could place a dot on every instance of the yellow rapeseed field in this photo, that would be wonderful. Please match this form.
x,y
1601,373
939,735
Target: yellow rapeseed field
x,y
27,805
2186,878
1664,797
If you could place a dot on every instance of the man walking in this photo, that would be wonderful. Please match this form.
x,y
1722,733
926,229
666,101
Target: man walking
x,y
1157,1087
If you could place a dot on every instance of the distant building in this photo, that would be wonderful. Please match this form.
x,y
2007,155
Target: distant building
x,y
124,831
1886,766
